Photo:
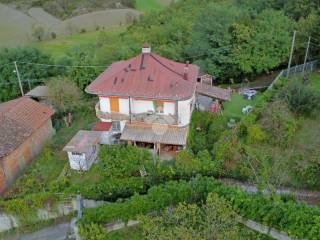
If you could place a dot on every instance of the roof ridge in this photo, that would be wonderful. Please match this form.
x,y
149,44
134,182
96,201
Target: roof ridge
x,y
154,57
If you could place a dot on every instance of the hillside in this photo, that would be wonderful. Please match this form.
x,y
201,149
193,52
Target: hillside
x,y
18,28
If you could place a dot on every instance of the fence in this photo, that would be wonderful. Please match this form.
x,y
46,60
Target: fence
x,y
295,71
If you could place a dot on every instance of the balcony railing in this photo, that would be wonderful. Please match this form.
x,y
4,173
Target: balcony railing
x,y
112,116
147,117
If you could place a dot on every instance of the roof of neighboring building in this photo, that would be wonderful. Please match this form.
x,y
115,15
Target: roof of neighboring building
x,y
147,75
211,91
39,92
82,141
102,126
20,118
155,133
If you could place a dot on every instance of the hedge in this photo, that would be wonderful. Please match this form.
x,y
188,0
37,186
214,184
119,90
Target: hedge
x,y
298,220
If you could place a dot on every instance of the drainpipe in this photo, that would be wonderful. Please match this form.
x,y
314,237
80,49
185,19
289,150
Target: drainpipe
x,y
130,117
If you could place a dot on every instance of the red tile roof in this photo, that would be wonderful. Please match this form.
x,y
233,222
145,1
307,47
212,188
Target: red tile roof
x,y
102,126
212,91
147,75
20,118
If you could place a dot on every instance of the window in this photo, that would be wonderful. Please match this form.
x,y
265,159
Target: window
x,y
158,105
76,154
116,126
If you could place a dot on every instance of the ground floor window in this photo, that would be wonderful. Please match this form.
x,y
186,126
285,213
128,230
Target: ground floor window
x,y
116,126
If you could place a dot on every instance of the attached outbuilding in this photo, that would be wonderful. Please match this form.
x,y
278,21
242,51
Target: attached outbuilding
x,y
83,150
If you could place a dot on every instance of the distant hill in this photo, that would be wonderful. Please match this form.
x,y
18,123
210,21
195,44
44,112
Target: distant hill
x,y
64,9
17,27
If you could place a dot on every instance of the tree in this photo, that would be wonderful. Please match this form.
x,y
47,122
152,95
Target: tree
x,y
214,220
35,74
64,95
38,32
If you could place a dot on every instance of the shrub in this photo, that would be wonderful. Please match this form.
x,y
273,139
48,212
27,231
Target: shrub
x,y
278,123
301,97
255,134
298,220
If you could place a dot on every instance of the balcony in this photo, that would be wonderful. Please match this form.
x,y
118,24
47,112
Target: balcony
x,y
110,116
151,117
147,117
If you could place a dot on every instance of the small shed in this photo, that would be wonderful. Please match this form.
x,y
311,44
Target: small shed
x,y
83,150
105,132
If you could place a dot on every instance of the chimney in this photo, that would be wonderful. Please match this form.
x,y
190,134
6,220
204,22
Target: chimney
x,y
146,48
186,70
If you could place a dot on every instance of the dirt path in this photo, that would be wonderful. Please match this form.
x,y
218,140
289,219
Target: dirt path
x,y
306,196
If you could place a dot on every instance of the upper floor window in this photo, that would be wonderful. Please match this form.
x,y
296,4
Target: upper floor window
x,y
158,105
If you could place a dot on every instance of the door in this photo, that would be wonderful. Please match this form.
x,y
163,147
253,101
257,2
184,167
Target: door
x,y
114,104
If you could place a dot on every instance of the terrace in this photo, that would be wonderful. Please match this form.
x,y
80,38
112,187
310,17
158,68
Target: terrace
x,y
147,117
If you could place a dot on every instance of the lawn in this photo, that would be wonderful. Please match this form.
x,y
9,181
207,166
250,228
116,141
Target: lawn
x,y
58,47
132,233
315,80
149,5
233,108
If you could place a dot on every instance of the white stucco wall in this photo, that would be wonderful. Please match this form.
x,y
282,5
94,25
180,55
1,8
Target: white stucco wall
x,y
184,111
169,108
124,105
104,104
77,162
141,106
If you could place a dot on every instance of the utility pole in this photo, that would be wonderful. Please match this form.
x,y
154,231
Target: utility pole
x,y
292,49
306,56
19,79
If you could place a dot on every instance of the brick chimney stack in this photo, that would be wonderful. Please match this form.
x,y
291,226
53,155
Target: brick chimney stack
x,y
186,71
146,48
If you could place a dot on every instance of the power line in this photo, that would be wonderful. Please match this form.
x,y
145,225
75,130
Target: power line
x,y
57,65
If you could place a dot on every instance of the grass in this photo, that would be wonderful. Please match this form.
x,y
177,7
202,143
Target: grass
x,y
128,233
60,46
315,80
148,5
233,108
49,164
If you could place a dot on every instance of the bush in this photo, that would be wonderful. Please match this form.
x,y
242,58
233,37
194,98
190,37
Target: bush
x,y
301,97
298,220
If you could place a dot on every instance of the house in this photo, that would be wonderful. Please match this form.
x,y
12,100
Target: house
x,y
148,99
25,126
83,150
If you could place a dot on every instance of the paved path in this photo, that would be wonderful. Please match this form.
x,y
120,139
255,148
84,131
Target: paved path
x,y
57,232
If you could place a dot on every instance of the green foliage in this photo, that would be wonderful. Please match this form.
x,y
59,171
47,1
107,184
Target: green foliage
x,y
64,95
9,84
123,161
255,134
205,129
92,232
278,123
26,208
214,220
230,41
284,215
302,98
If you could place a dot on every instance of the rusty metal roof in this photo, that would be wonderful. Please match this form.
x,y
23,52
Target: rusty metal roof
x,y
212,91
82,141
147,75
19,119
155,133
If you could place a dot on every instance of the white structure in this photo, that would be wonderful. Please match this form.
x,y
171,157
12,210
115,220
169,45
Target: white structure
x,y
83,150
